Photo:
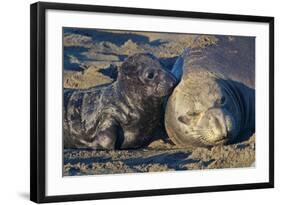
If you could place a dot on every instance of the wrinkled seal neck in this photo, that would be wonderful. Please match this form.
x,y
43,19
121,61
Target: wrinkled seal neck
x,y
243,97
246,99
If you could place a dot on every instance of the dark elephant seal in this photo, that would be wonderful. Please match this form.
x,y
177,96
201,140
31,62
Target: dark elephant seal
x,y
123,114
214,102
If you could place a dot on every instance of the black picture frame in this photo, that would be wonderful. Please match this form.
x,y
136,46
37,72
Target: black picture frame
x,y
38,101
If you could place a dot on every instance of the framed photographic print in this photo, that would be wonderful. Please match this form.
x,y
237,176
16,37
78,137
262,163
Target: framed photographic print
x,y
129,102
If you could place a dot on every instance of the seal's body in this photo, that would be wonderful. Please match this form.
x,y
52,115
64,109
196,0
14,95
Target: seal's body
x,y
123,114
214,102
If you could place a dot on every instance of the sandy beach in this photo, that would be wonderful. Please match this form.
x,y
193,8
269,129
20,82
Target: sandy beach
x,y
91,58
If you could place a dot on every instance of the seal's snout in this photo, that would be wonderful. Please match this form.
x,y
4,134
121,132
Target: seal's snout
x,y
171,80
172,84
168,81
220,124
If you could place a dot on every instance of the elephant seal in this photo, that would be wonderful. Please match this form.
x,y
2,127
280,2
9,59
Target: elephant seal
x,y
120,115
214,102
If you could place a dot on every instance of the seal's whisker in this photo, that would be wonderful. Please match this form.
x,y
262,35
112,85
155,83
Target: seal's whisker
x,y
203,130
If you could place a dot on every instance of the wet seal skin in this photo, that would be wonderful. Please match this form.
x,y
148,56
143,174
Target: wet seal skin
x,y
120,115
214,102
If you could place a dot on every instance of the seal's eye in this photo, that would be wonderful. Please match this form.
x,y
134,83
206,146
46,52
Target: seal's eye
x,y
150,75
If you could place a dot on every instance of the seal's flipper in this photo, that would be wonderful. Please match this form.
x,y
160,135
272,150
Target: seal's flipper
x,y
177,69
106,135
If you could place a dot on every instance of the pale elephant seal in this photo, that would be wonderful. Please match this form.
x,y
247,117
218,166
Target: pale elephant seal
x,y
214,103
123,114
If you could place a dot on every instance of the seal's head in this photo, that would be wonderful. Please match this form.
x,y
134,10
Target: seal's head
x,y
203,111
142,74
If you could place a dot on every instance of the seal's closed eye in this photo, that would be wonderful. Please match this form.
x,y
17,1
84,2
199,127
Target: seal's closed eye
x,y
184,119
193,114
